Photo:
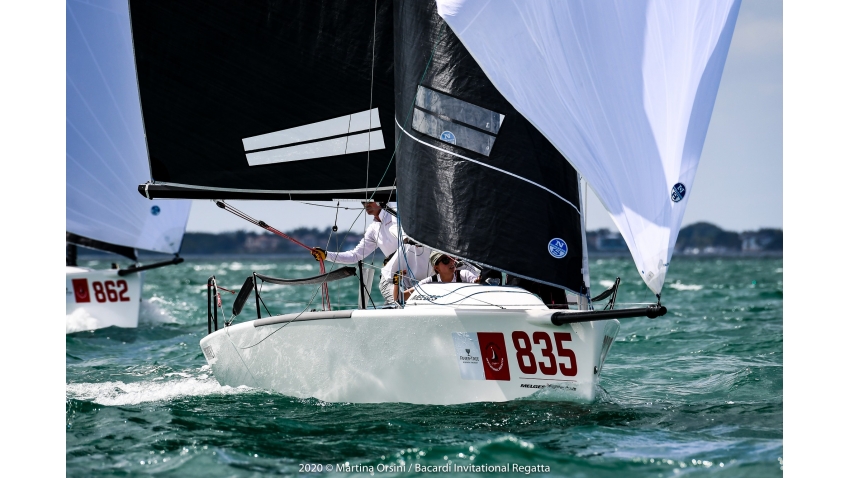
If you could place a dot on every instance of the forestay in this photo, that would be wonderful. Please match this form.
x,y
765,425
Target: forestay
x,y
105,156
624,89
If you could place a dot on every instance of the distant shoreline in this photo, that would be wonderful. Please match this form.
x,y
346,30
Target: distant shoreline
x,y
379,259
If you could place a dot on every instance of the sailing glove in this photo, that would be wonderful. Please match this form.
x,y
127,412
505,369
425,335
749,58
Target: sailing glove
x,y
397,277
319,253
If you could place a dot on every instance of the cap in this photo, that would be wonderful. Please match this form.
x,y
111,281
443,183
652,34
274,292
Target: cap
x,y
434,257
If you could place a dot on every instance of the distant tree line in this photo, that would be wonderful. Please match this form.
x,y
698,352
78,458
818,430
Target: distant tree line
x,y
243,242
698,238
701,237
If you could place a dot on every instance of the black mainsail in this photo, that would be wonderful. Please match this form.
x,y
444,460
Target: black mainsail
x,y
266,100
475,178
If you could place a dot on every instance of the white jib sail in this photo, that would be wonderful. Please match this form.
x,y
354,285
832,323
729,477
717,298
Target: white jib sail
x,y
105,156
623,89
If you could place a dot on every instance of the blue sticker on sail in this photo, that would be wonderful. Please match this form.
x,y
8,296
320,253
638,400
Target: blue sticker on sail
x,y
448,137
155,210
558,248
678,192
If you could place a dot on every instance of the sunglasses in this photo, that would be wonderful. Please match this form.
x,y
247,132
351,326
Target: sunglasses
x,y
446,260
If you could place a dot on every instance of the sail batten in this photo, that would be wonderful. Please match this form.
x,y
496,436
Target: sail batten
x,y
623,89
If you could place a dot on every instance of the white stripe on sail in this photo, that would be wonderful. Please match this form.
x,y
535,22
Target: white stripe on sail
x,y
347,124
357,143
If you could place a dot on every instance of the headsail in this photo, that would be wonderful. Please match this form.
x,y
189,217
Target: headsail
x,y
624,89
105,143
475,178
266,100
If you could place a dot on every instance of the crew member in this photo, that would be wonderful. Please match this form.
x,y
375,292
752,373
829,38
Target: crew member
x,y
445,270
380,234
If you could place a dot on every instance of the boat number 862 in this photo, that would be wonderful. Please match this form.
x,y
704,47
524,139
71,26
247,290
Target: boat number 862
x,y
110,291
550,365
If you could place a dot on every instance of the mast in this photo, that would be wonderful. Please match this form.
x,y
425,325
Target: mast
x,y
584,303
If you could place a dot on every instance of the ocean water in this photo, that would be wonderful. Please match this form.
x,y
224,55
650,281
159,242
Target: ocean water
x,y
697,392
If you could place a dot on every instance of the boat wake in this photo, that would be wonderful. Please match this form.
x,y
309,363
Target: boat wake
x,y
155,311
679,286
172,386
80,320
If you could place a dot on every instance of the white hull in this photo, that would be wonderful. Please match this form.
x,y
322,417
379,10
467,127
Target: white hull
x,y
425,353
95,299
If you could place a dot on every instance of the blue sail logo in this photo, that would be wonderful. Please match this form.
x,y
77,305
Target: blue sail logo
x,y
448,137
155,210
678,192
558,248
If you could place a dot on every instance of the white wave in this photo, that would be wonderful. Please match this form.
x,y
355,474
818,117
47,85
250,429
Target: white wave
x,y
156,390
778,271
79,320
679,286
606,283
155,311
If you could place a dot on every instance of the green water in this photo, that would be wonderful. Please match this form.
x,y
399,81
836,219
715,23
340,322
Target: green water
x,y
696,392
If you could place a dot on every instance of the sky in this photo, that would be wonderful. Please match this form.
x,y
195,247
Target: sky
x,y
738,185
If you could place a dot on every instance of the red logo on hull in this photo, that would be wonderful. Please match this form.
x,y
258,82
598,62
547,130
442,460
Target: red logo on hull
x,y
495,359
81,290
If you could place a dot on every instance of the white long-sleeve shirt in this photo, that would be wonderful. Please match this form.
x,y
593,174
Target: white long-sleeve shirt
x,y
413,259
380,234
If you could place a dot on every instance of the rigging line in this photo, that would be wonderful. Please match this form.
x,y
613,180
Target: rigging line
x,y
285,324
491,167
233,210
409,111
337,207
371,92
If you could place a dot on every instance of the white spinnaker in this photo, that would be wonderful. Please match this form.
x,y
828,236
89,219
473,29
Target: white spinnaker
x,y
624,89
105,157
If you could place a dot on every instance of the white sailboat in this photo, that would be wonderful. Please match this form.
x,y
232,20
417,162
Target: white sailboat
x,y
105,158
501,111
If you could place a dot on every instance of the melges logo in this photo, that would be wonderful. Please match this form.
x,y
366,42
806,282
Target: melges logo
x,y
81,290
495,359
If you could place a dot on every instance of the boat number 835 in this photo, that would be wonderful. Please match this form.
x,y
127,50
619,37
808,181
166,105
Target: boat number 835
x,y
528,363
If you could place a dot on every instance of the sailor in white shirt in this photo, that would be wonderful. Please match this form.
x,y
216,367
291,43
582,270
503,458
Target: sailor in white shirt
x,y
380,234
445,270
412,264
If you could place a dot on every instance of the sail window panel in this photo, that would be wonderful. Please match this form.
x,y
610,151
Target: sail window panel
x,y
311,132
356,143
459,110
452,133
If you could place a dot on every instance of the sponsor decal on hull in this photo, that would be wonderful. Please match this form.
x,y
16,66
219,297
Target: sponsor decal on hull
x,y
81,290
481,356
